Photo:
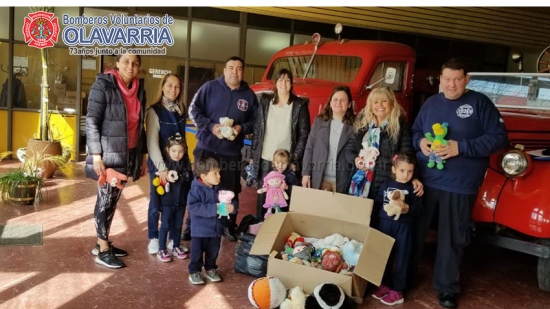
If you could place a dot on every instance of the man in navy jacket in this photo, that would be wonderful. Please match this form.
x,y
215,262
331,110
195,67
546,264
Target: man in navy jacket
x,y
476,131
227,96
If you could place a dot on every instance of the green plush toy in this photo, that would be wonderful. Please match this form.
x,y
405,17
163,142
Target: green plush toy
x,y
438,139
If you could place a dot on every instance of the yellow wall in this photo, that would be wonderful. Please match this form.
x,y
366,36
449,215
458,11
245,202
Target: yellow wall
x,y
4,130
27,123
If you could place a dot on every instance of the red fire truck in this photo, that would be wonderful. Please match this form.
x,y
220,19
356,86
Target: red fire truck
x,y
513,205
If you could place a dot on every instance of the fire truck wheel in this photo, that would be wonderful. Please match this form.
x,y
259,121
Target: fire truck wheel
x,y
543,270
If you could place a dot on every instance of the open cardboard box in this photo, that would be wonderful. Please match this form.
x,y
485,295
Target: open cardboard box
x,y
316,213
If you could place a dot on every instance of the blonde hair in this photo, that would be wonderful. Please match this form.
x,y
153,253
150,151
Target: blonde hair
x,y
366,116
179,98
281,155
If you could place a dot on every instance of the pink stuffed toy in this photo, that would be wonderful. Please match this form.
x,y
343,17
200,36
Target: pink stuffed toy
x,y
225,197
114,178
274,184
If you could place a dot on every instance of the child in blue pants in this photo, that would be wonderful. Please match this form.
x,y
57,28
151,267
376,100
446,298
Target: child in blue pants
x,y
174,200
395,277
206,227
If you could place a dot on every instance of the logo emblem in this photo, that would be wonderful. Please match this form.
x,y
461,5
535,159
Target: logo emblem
x,y
464,111
41,29
242,105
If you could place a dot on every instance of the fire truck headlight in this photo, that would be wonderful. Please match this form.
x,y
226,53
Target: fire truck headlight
x,y
514,163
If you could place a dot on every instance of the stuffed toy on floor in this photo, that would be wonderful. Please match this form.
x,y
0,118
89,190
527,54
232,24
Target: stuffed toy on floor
x,y
296,299
329,295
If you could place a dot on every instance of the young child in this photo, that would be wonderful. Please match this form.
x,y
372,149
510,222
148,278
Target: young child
x,y
280,163
395,278
173,201
206,228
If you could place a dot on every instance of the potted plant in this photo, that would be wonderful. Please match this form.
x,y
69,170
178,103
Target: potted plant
x,y
45,141
24,184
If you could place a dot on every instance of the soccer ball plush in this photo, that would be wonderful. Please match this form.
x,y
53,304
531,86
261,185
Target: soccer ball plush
x,y
266,292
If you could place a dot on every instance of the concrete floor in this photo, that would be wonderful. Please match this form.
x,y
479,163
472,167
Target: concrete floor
x,y
61,273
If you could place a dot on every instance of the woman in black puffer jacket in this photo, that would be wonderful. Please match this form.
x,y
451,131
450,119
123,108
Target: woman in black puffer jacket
x,y
282,123
116,139
381,125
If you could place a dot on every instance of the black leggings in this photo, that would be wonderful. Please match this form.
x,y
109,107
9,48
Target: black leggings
x,y
105,206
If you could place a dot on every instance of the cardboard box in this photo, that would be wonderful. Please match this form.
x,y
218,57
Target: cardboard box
x,y
316,213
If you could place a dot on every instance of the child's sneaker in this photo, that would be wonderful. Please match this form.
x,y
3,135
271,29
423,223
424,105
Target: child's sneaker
x,y
393,298
163,256
381,292
213,276
153,247
196,278
178,252
184,248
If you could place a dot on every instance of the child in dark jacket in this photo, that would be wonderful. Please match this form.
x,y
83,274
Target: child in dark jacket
x,y
206,228
399,227
280,163
174,200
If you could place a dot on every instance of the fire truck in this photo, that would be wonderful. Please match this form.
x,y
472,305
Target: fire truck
x,y
513,205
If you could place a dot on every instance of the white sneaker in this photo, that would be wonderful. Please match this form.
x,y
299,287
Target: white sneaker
x,y
170,244
153,246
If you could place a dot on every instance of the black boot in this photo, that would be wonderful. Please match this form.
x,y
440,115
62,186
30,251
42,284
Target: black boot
x,y
229,231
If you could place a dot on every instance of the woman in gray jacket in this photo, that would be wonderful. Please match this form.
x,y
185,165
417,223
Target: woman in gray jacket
x,y
326,165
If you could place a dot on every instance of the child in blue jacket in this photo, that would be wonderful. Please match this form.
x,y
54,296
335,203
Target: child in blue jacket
x,y
206,228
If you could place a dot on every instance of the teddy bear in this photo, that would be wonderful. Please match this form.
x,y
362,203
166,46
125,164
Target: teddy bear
x,y
163,187
351,251
361,180
227,130
391,208
225,197
274,184
329,295
114,178
296,299
438,139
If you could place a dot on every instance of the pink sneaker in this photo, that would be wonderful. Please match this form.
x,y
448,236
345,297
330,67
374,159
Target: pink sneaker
x,y
381,292
393,298
178,252
163,256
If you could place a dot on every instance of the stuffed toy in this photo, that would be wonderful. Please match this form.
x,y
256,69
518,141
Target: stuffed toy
x,y
225,197
276,196
227,130
438,139
163,187
250,175
361,180
266,292
332,260
391,208
329,295
294,238
332,241
296,299
351,251
114,178
301,251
